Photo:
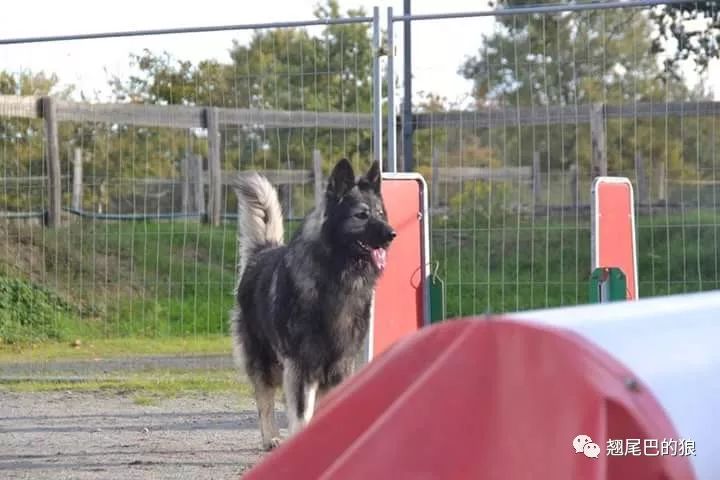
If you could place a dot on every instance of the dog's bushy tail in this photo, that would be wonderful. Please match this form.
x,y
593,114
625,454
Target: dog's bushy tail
x,y
260,221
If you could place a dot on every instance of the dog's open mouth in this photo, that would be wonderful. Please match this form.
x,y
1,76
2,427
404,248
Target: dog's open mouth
x,y
378,255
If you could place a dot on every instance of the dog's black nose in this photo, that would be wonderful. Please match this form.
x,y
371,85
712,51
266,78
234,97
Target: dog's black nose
x,y
392,234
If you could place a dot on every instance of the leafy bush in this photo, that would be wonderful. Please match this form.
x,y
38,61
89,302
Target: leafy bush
x,y
482,201
29,312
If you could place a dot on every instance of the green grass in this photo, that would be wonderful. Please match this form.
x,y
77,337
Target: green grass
x,y
145,400
31,311
513,266
166,287
121,347
146,387
140,279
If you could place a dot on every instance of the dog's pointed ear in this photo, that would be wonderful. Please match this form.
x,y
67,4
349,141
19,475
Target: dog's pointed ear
x,y
374,177
342,179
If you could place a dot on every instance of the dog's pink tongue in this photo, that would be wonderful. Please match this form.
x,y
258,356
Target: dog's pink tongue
x,y
379,256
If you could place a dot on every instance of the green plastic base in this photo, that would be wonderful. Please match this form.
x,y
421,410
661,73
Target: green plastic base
x,y
608,285
437,299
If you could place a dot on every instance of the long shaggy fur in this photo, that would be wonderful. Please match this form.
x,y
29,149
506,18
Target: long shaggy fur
x,y
260,220
303,309
260,225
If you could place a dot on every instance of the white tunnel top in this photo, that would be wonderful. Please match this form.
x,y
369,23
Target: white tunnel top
x,y
673,344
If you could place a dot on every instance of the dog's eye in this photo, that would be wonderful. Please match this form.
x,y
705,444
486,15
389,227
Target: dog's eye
x,y
362,215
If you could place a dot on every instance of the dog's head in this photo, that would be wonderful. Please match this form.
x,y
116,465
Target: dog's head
x,y
356,220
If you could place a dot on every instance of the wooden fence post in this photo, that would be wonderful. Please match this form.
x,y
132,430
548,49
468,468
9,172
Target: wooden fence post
x,y
77,191
197,184
435,179
597,140
536,180
49,113
574,194
185,184
640,179
214,202
317,176
661,181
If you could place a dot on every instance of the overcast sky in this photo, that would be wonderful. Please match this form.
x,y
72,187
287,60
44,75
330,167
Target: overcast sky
x,y
439,46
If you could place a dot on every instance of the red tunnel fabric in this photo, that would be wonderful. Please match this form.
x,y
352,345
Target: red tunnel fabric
x,y
481,399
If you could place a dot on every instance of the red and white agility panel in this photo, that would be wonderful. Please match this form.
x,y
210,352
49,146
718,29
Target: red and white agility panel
x,y
401,297
613,242
503,398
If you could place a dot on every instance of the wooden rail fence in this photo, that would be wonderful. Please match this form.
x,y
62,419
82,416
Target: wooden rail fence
x,y
53,110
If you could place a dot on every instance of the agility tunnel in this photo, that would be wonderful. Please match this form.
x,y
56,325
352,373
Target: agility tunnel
x,y
505,398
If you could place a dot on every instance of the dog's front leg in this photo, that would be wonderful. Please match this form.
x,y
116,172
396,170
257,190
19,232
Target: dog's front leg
x,y
265,398
300,395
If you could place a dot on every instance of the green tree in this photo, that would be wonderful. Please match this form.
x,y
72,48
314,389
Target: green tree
x,y
691,31
279,69
569,59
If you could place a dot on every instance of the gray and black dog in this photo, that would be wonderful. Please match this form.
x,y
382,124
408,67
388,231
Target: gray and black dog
x,y
303,309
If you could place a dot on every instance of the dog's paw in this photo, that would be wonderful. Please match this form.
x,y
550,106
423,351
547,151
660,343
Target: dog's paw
x,y
272,444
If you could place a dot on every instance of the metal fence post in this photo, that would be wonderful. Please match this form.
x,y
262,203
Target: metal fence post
x,y
391,140
377,89
407,120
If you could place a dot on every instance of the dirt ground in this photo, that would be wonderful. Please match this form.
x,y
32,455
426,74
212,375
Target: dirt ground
x,y
100,435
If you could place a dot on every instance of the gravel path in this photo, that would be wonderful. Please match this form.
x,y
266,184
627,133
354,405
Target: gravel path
x,y
99,435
